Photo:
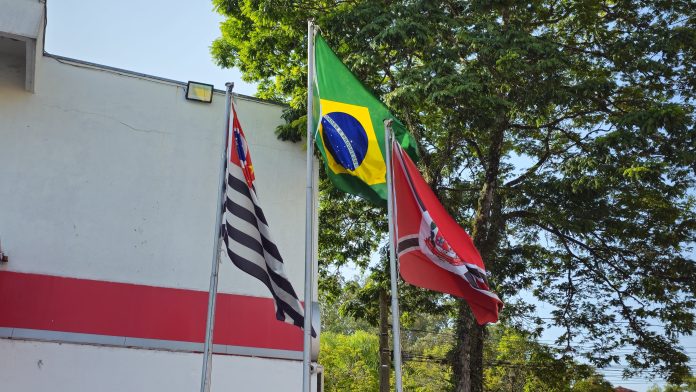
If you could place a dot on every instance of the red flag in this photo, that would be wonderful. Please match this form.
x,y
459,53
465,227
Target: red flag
x,y
239,144
434,251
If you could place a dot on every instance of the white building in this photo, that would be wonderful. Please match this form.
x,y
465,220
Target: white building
x,y
108,191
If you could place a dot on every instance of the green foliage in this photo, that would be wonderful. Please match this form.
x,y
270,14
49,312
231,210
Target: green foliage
x,y
334,317
428,375
688,385
350,231
426,341
515,362
350,362
560,132
593,384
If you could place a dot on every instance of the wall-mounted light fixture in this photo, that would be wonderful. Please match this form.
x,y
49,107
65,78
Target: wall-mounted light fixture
x,y
201,92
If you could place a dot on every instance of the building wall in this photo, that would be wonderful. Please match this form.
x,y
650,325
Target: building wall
x,y
111,177
39,366
108,190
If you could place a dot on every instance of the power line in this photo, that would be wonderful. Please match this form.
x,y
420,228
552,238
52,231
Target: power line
x,y
552,343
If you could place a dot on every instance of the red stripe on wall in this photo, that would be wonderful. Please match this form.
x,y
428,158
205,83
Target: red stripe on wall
x,y
55,303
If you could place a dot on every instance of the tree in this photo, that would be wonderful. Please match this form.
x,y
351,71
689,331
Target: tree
x,y
350,231
368,300
688,385
561,132
350,361
517,363
426,347
593,384
353,340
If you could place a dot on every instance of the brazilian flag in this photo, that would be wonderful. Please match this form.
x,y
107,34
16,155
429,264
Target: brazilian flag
x,y
350,128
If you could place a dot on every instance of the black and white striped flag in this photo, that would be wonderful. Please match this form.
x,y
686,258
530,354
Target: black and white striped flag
x,y
248,241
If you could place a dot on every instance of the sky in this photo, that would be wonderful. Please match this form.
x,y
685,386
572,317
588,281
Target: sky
x,y
169,39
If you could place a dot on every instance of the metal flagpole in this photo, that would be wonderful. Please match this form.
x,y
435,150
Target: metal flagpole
x,y
208,347
309,222
396,331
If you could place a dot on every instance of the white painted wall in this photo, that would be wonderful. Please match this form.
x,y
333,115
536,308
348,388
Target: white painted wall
x,y
41,366
113,177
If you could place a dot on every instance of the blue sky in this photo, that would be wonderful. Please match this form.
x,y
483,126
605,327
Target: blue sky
x,y
168,39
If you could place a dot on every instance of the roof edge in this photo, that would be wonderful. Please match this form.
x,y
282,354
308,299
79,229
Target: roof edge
x,y
153,78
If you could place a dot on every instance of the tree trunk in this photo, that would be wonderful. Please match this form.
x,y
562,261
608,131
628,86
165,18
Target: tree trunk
x,y
384,355
469,353
468,361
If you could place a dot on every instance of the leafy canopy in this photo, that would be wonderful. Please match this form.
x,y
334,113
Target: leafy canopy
x,y
560,131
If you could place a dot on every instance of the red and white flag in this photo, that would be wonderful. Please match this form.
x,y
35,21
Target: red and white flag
x,y
434,251
245,232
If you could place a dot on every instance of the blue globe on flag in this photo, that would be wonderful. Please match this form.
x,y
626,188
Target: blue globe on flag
x,y
345,139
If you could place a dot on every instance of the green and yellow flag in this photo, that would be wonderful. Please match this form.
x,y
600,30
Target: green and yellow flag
x,y
350,128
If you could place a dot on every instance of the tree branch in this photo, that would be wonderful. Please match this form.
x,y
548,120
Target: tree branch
x,y
536,166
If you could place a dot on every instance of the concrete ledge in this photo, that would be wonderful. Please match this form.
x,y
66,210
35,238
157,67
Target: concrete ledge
x,y
139,343
21,18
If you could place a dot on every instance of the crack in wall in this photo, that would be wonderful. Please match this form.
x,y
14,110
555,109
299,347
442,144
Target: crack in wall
x,y
143,130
